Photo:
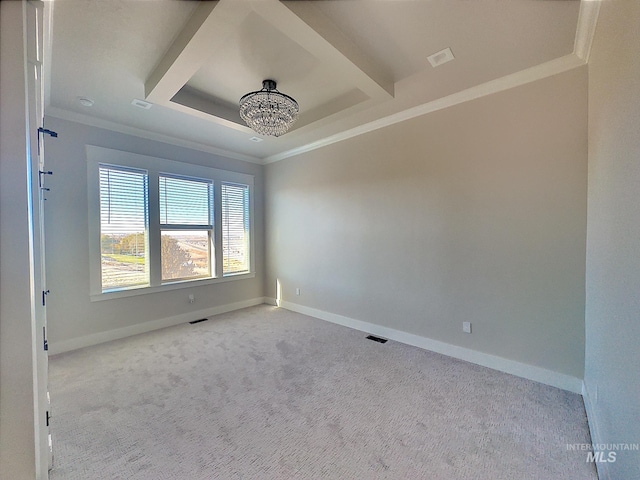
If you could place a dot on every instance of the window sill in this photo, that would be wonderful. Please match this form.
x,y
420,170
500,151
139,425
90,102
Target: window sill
x,y
134,292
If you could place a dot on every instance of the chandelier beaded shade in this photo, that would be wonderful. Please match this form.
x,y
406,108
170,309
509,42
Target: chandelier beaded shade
x,y
267,111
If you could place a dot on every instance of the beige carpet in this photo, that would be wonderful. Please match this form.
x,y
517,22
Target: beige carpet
x,y
264,393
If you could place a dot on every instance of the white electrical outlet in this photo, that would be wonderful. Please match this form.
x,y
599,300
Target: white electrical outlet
x,y
297,291
466,327
192,298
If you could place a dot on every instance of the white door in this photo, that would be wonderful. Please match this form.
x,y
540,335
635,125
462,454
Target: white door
x,y
39,191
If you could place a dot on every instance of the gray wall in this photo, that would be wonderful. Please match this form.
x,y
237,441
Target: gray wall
x,y
474,213
612,371
71,314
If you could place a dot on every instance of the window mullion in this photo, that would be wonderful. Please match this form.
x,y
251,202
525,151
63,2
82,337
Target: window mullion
x,y
155,240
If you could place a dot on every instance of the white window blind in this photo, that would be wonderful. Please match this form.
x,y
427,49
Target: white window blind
x,y
186,221
124,220
185,201
235,228
157,225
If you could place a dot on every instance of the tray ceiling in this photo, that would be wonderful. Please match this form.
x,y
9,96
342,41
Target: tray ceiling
x,y
352,65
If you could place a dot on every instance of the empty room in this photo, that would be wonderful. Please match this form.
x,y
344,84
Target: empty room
x,y
367,239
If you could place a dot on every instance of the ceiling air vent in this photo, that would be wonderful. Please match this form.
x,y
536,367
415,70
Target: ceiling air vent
x,y
443,56
141,104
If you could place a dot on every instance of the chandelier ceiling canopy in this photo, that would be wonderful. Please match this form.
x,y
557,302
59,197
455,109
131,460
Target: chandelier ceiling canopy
x,y
267,111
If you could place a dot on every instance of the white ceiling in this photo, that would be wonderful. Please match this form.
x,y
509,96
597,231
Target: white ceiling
x,y
353,65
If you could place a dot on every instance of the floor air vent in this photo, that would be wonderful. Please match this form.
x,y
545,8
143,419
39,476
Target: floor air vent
x,y
198,321
377,339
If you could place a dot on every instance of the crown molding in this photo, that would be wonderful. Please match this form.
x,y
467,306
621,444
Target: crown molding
x,y
139,132
547,69
586,29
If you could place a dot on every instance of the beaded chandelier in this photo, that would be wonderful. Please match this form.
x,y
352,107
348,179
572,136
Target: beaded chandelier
x,y
267,111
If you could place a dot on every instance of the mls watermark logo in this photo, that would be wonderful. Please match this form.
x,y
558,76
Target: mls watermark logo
x,y
599,457
602,452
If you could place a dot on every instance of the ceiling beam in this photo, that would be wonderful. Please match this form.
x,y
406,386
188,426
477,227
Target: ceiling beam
x,y
214,21
209,25
307,26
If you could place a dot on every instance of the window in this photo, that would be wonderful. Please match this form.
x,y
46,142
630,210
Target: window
x,y
186,223
124,220
235,228
157,224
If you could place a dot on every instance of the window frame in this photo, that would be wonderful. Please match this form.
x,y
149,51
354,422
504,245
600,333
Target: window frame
x,y
154,166
145,213
223,224
209,228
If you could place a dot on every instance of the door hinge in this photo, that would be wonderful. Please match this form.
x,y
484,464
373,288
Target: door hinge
x,y
41,180
44,339
47,418
44,297
46,131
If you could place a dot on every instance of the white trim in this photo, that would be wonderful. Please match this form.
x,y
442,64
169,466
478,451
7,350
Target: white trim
x,y
141,133
586,29
589,406
547,69
531,372
154,167
47,52
165,287
102,337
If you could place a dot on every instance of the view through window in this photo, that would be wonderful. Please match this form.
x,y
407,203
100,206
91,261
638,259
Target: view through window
x,y
158,227
124,219
186,219
235,228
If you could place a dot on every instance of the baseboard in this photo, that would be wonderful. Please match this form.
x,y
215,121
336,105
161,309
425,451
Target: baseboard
x,y
602,467
530,372
270,301
548,377
102,337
